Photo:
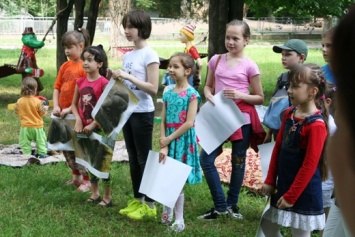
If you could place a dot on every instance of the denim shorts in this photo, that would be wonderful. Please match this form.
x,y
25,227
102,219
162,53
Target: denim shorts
x,y
327,198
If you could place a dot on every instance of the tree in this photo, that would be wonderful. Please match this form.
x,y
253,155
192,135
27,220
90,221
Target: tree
x,y
64,8
193,9
296,8
117,9
220,13
33,7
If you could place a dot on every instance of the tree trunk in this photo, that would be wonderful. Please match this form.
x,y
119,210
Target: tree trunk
x,y
79,14
118,8
220,13
62,27
92,17
62,22
236,10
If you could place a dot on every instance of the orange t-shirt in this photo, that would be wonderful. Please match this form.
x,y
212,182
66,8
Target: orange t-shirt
x,y
65,83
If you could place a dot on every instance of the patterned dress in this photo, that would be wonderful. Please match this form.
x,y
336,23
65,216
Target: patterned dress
x,y
184,148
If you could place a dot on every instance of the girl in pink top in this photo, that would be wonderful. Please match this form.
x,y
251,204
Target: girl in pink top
x,y
234,74
87,92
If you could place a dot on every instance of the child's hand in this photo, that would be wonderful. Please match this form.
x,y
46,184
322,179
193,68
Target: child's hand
x,y
282,204
56,111
46,107
109,73
64,112
267,189
267,138
89,128
210,98
164,141
232,94
162,154
78,127
119,73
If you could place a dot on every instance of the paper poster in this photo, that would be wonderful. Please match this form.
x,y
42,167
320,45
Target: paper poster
x,y
164,182
265,151
114,107
259,231
60,133
215,123
95,153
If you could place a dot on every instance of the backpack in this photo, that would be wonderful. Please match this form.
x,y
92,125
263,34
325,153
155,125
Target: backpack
x,y
278,103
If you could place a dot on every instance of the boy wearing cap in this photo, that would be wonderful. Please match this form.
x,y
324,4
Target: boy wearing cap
x,y
293,52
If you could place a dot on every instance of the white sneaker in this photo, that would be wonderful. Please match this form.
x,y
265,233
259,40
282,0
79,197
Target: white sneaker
x,y
177,226
166,217
234,212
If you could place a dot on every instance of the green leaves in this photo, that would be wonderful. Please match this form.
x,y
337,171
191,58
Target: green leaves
x,y
33,7
297,8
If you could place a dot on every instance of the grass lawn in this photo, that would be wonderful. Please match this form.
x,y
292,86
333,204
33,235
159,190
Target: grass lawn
x,y
35,202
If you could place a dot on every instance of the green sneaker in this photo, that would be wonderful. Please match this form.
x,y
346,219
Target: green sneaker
x,y
133,205
144,211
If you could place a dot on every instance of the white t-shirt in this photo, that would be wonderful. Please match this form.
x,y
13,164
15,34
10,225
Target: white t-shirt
x,y
329,183
135,63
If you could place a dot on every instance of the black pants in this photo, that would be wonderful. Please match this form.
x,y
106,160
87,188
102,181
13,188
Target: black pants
x,y
138,132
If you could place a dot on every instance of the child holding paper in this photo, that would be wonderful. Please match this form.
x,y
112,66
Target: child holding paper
x,y
140,73
178,136
87,92
234,74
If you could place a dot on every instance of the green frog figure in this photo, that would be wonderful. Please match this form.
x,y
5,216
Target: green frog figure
x,y
26,65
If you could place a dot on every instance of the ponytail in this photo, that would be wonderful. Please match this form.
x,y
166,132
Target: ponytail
x,y
321,104
315,77
324,170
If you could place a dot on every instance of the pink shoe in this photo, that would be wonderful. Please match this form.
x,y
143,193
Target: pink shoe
x,y
84,188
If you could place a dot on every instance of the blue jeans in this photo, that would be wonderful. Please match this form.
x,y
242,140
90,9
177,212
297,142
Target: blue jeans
x,y
138,136
239,149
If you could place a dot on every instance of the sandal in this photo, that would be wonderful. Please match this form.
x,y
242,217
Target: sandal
x,y
84,188
94,200
103,203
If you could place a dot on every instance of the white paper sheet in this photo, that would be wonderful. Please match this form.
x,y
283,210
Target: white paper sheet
x,y
215,123
265,151
259,232
164,182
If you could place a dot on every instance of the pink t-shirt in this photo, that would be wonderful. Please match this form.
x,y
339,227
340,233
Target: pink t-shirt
x,y
89,92
237,77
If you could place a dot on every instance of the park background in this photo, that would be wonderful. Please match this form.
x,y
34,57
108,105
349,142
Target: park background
x,y
34,201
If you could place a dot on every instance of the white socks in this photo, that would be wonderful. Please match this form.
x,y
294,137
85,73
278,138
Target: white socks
x,y
179,208
179,224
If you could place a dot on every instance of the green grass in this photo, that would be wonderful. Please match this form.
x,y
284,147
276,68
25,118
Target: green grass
x,y
34,201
